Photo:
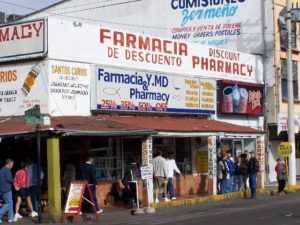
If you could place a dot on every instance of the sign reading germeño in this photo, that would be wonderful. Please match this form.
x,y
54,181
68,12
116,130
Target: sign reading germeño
x,y
22,40
134,90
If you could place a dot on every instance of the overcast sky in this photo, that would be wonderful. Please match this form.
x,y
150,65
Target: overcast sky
x,y
35,4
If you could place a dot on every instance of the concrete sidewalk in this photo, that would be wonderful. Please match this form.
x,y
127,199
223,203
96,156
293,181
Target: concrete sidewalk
x,y
120,213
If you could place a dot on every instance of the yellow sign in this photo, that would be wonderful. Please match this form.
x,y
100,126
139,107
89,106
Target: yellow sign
x,y
201,161
284,149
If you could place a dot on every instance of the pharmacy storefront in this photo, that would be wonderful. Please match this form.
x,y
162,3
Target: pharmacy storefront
x,y
112,93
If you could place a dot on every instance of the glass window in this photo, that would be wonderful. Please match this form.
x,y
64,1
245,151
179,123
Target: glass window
x,y
284,78
283,36
107,159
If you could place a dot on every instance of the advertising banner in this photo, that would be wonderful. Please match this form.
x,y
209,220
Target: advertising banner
x,y
126,49
22,87
134,90
22,40
69,87
282,122
212,156
241,98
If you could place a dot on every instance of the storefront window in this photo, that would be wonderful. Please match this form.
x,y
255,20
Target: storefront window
x,y
107,159
181,148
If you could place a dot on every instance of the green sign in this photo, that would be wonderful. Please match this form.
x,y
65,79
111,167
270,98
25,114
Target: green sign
x,y
33,116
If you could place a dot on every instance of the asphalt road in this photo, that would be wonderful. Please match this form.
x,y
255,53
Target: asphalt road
x,y
284,210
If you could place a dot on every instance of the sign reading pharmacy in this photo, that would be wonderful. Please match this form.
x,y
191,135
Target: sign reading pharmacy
x,y
22,40
133,90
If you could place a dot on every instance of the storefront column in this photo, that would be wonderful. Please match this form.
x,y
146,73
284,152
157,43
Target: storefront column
x,y
54,186
212,163
147,159
260,154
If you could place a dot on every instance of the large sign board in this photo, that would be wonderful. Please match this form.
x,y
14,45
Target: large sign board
x,y
127,49
23,40
241,98
22,87
69,87
136,90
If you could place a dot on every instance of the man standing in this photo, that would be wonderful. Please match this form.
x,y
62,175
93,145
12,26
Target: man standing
x,y
253,167
6,181
223,174
231,168
33,180
87,172
160,175
171,167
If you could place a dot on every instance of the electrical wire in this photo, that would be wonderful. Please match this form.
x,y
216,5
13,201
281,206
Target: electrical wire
x,y
63,14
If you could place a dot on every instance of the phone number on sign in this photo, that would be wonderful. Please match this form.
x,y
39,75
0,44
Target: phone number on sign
x,y
129,105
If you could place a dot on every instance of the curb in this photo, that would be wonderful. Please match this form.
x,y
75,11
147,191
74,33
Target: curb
x,y
218,198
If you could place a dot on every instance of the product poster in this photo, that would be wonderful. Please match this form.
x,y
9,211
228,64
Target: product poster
x,y
22,87
241,98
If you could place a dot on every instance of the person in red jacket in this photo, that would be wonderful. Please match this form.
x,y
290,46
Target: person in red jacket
x,y
21,185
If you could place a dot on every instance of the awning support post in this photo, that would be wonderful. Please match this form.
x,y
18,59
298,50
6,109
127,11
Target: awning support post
x,y
54,185
212,162
147,159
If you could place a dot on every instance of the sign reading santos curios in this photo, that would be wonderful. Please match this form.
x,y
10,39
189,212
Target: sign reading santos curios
x,y
241,98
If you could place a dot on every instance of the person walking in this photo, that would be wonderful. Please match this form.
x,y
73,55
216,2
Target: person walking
x,y
231,168
22,188
253,168
33,182
6,181
171,167
130,180
223,174
87,172
281,170
160,175
238,175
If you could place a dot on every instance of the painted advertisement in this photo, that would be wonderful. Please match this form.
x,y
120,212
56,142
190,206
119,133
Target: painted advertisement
x,y
134,90
22,40
212,156
22,87
228,24
69,88
126,49
241,98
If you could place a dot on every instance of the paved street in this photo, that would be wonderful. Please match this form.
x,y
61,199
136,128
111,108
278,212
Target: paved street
x,y
265,211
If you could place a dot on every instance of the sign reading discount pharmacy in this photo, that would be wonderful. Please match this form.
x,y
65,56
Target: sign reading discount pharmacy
x,y
134,90
128,49
23,40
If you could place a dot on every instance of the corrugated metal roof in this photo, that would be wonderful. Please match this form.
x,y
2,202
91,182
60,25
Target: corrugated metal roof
x,y
162,124
120,126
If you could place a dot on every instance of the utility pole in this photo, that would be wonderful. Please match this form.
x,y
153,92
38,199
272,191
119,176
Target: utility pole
x,y
291,123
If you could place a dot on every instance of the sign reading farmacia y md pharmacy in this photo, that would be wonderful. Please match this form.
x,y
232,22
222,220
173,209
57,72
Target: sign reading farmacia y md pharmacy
x,y
126,49
134,90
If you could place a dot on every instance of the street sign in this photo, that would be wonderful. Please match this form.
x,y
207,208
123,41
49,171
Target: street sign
x,y
146,171
284,149
33,116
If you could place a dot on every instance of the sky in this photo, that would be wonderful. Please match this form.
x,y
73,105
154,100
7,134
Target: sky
x,y
8,7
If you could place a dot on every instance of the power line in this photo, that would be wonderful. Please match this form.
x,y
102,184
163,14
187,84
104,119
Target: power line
x,y
63,14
